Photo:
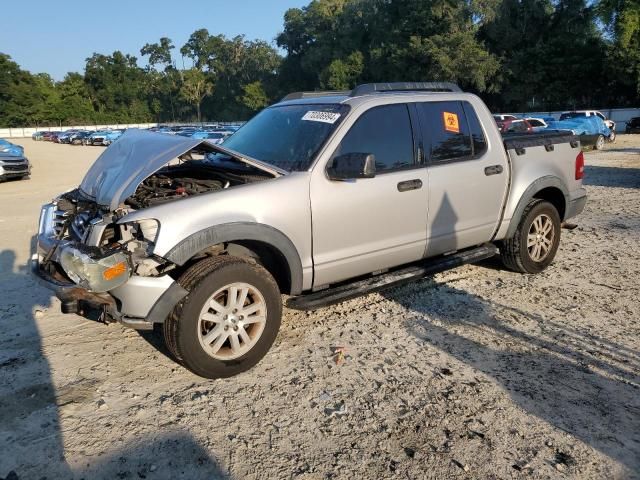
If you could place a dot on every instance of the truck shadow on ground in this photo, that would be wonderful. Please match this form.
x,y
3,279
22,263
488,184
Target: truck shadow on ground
x,y
573,380
31,433
611,176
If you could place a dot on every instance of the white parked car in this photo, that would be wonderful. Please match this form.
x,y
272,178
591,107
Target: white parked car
x,y
500,117
536,122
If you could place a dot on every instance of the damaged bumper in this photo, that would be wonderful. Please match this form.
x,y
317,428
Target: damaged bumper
x,y
137,302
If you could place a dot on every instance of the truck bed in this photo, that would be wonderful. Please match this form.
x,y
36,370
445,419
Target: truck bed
x,y
515,141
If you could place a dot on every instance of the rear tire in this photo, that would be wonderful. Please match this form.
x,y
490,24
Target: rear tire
x,y
535,242
229,319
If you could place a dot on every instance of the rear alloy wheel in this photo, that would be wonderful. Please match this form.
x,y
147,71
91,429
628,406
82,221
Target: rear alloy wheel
x,y
535,242
229,319
540,237
599,143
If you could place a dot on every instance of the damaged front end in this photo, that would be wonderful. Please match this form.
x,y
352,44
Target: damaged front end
x,y
100,268
100,264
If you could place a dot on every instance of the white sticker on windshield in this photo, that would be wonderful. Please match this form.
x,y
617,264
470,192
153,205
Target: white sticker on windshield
x,y
326,117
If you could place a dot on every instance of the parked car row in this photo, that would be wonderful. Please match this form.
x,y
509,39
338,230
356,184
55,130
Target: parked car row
x,y
593,128
79,137
214,133
13,163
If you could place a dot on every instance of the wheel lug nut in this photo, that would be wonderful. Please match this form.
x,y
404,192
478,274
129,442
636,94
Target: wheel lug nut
x,y
235,310
235,328
226,328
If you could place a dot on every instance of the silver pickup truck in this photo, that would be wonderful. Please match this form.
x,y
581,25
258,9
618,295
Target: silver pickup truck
x,y
322,197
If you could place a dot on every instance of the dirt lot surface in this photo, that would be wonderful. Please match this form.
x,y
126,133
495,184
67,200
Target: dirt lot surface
x,y
477,373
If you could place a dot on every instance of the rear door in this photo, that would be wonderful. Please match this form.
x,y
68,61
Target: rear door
x,y
468,177
364,225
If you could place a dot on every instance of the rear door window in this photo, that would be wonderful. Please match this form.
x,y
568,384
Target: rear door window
x,y
451,131
385,132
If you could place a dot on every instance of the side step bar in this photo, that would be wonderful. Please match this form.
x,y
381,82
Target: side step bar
x,y
393,278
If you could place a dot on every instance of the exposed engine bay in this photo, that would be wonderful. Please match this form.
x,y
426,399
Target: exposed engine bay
x,y
192,177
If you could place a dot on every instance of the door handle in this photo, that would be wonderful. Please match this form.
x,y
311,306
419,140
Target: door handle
x,y
407,185
493,170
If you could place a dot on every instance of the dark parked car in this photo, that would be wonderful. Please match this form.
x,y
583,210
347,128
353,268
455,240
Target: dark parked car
x,y
633,125
79,138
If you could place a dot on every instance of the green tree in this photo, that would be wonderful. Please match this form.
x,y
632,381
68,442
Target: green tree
x,y
254,97
195,88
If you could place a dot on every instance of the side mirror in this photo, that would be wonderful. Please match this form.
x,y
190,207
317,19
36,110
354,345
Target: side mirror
x,y
352,165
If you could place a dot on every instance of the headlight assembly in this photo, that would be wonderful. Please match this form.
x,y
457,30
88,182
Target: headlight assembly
x,y
95,274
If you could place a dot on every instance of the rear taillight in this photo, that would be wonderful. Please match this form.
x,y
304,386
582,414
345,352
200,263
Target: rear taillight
x,y
580,166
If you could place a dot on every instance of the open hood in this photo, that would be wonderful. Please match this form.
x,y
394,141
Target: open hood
x,y
137,154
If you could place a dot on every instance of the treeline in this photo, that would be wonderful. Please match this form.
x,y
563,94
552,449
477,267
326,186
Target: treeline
x,y
517,54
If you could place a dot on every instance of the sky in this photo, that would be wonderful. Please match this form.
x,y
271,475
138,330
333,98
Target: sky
x,y
57,37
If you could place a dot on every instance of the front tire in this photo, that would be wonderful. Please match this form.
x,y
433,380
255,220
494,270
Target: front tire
x,y
535,243
229,319
599,143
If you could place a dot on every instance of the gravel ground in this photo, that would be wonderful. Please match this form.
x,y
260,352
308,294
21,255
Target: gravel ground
x,y
476,373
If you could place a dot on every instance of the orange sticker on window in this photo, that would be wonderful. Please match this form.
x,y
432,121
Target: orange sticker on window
x,y
451,122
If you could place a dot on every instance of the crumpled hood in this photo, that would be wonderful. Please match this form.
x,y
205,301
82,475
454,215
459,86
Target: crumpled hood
x,y
137,154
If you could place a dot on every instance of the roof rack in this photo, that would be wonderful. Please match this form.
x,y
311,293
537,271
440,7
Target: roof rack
x,y
368,88
299,95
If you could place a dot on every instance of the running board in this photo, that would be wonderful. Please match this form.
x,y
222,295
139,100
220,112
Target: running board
x,y
393,278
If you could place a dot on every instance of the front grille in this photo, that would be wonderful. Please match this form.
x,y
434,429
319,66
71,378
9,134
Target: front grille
x,y
59,219
15,168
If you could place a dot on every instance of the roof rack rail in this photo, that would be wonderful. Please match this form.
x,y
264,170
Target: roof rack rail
x,y
299,95
368,88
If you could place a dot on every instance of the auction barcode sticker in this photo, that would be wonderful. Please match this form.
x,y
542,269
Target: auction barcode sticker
x,y
326,117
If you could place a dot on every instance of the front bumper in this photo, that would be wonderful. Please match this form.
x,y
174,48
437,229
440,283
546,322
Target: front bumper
x,y
139,301
74,299
14,168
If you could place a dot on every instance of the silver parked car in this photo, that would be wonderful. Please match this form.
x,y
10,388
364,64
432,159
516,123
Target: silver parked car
x,y
321,197
14,166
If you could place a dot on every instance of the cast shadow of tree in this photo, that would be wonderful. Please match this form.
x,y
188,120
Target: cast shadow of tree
x,y
30,405
573,380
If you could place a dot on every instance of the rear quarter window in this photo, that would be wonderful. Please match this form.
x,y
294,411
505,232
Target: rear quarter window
x,y
451,131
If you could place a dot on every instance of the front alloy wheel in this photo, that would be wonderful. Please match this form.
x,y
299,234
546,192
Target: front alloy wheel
x,y
229,319
599,142
232,321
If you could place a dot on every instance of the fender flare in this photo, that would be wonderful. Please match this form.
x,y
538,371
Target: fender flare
x,y
237,231
528,195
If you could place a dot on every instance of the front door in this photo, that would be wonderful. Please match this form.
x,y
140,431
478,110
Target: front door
x,y
364,225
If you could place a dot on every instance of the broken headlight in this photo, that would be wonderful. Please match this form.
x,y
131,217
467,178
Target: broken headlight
x,y
95,274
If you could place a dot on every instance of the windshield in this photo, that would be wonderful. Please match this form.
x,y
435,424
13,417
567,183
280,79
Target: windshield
x,y
566,115
287,136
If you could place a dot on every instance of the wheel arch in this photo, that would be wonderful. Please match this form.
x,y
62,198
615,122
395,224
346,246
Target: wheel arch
x,y
270,246
548,188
